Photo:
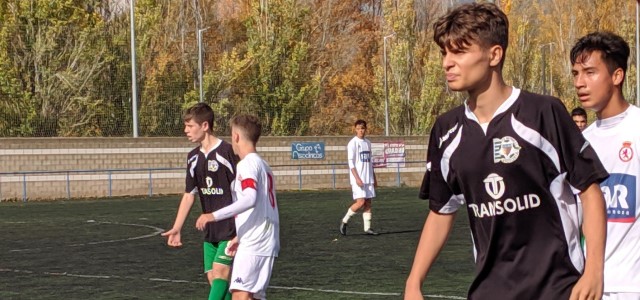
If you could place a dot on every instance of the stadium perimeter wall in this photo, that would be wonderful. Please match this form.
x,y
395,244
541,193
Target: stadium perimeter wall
x,y
78,167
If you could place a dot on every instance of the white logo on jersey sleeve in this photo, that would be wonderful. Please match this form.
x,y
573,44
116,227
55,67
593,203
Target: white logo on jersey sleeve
x,y
445,137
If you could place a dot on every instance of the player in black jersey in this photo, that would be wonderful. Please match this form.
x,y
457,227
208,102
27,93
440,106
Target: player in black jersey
x,y
210,174
514,159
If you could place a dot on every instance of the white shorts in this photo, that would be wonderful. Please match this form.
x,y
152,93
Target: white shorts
x,y
621,296
366,192
251,273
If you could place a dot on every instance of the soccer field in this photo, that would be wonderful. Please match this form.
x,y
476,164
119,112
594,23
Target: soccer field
x,y
111,249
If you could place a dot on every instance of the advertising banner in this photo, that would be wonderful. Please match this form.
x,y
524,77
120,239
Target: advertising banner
x,y
307,150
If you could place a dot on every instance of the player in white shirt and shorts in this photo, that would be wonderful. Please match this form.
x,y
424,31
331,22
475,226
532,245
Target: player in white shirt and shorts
x,y
362,178
599,62
255,209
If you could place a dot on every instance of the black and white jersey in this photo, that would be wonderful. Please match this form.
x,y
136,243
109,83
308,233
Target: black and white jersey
x,y
517,176
211,176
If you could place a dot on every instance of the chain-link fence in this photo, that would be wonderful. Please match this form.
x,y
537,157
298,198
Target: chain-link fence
x,y
304,67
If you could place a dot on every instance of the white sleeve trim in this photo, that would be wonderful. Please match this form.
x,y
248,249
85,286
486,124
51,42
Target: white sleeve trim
x,y
453,204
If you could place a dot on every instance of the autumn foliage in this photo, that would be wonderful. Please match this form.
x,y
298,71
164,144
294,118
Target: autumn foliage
x,y
306,67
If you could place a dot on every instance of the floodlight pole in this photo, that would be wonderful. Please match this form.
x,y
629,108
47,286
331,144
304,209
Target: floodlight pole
x,y
134,86
544,68
200,31
386,88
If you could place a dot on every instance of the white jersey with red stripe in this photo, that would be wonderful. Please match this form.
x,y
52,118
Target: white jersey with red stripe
x,y
258,227
616,140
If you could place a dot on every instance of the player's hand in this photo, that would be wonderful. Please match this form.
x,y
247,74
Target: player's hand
x,y
173,237
589,287
359,182
232,247
202,221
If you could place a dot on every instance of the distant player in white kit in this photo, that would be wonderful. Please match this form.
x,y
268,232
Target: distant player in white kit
x,y
256,212
599,62
362,178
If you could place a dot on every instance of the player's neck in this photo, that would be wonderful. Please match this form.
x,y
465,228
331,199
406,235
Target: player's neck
x,y
208,142
485,100
245,149
614,107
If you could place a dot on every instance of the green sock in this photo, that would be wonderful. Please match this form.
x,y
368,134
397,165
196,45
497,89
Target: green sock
x,y
227,296
219,289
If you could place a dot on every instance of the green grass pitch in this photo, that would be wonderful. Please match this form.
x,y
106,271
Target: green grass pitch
x,y
111,249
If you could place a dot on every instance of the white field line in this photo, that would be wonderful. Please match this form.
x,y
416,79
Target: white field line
x,y
157,231
201,283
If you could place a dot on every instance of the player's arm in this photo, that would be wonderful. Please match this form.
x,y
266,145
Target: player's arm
x,y
584,171
357,177
373,170
351,158
245,200
594,227
443,205
183,210
434,235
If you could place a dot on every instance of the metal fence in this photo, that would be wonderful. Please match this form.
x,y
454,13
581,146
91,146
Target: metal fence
x,y
100,183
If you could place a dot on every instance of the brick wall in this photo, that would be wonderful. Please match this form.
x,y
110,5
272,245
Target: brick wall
x,y
76,167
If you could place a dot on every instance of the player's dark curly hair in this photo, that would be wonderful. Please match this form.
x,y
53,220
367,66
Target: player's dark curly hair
x,y
481,23
614,50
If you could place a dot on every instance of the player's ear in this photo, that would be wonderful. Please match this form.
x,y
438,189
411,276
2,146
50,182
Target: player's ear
x,y
206,126
496,53
617,76
235,136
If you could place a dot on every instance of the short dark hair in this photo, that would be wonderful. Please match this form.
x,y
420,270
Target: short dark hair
x,y
482,23
200,113
613,49
579,111
360,122
249,125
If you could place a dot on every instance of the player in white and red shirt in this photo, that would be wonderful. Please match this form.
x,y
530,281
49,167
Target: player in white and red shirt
x,y
256,212
599,62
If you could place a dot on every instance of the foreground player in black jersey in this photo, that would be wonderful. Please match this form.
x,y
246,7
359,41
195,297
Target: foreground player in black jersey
x,y
210,173
514,159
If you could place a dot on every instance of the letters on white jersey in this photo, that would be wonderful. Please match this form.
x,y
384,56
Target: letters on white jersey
x,y
616,141
619,191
